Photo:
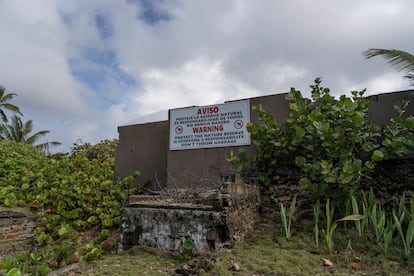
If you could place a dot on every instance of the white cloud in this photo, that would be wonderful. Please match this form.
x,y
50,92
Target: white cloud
x,y
34,60
384,83
198,82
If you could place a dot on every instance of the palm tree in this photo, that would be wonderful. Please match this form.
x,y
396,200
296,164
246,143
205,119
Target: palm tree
x,y
403,61
21,132
4,104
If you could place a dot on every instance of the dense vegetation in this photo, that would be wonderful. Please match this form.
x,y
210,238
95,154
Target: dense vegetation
x,y
330,143
69,193
329,140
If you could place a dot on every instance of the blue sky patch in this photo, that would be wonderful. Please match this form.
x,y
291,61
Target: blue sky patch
x,y
150,11
104,26
100,72
66,19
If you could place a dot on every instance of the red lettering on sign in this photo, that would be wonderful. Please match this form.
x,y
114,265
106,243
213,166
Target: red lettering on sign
x,y
208,110
208,129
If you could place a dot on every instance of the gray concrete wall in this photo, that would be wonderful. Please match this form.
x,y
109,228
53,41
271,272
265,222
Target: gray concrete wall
x,y
382,106
145,147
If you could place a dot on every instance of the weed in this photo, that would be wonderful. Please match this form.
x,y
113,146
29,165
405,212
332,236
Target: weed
x,y
186,250
409,233
287,220
377,219
331,226
316,215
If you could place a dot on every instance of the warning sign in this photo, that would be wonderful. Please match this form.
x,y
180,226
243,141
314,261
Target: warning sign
x,y
222,125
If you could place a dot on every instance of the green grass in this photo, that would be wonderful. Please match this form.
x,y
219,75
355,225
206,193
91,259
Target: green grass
x,y
264,251
139,260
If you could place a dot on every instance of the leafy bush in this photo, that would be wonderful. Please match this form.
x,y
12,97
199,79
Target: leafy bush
x,y
69,192
104,151
329,139
78,188
397,137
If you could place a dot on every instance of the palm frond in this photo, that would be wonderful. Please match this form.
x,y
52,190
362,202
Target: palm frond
x,y
7,97
27,128
3,116
4,99
33,138
45,146
2,129
21,132
410,77
15,129
11,107
400,59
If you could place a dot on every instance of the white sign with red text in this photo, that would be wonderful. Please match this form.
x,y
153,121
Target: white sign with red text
x,y
221,125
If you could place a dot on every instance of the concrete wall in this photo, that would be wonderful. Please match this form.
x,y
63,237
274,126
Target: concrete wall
x,y
382,106
145,147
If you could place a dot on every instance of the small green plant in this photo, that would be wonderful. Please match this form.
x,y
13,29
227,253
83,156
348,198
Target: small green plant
x,y
10,265
316,216
331,226
15,272
367,203
398,137
186,250
387,236
406,238
355,211
377,217
287,219
329,213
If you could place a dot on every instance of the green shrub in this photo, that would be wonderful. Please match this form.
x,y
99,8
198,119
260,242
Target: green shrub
x,y
69,192
330,140
78,188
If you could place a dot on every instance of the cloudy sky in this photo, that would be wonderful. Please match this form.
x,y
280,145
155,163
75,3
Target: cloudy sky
x,y
83,68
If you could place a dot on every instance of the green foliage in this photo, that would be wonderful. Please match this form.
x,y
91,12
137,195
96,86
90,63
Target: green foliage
x,y
398,137
15,272
387,236
328,139
406,234
355,211
287,219
186,250
383,224
377,217
331,226
69,192
104,151
6,105
8,263
22,132
16,130
271,147
316,216
75,188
